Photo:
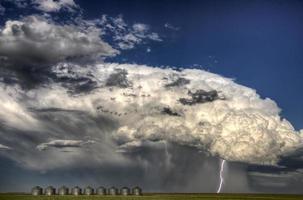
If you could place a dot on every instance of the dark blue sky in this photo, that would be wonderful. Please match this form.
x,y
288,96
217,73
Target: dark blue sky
x,y
258,43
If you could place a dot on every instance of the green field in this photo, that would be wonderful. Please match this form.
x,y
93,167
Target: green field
x,y
155,197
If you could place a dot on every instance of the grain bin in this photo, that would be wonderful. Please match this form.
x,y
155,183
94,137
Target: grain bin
x,y
63,190
76,191
37,191
101,191
125,191
113,191
50,190
137,191
88,190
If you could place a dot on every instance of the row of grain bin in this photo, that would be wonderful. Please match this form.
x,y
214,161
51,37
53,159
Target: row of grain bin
x,y
37,190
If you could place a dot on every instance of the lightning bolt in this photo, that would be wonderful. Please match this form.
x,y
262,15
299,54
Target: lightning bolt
x,y
221,176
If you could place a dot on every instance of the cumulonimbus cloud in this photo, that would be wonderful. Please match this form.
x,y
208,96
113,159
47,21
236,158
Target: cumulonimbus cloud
x,y
145,105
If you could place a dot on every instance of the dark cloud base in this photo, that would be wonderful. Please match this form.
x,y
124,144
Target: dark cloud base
x,y
172,169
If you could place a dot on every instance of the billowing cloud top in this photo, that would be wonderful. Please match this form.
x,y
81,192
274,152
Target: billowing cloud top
x,y
130,106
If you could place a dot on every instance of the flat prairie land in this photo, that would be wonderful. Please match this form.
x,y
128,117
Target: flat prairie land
x,y
149,196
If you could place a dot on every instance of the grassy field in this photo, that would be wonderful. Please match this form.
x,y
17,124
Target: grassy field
x,y
155,197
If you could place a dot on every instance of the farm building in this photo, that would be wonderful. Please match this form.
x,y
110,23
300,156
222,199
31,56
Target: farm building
x,y
76,191
50,190
37,191
88,190
137,191
125,191
113,191
63,190
101,191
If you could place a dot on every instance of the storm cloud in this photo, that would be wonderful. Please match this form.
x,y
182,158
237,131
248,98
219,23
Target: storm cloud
x,y
70,116
138,119
122,117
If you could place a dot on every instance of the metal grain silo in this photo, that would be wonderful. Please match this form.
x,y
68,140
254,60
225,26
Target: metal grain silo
x,y
63,190
88,190
37,191
137,191
125,191
76,191
101,191
50,190
113,191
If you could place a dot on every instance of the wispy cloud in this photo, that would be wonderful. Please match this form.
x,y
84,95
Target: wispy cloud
x,y
4,147
63,144
55,6
171,27
19,3
126,36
